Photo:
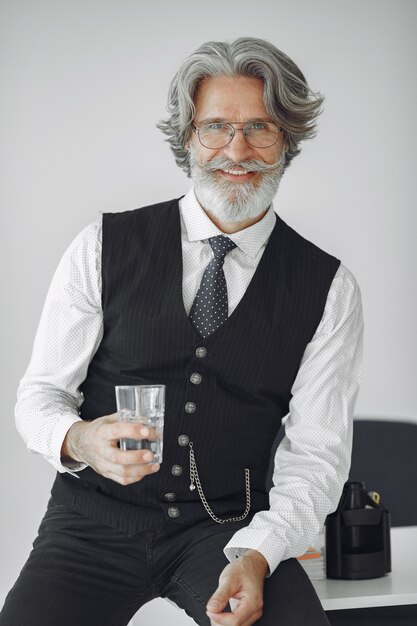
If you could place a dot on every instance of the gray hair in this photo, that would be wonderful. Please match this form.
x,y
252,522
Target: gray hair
x,y
288,99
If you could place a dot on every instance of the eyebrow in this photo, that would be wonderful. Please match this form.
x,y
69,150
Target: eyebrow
x,y
224,120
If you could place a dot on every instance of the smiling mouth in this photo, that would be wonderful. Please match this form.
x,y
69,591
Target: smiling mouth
x,y
233,174
237,172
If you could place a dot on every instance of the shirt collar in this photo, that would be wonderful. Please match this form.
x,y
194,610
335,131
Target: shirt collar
x,y
199,226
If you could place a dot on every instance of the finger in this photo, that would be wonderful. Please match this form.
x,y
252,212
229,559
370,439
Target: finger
x,y
225,590
247,612
234,618
142,431
129,479
129,430
108,419
132,472
128,457
123,481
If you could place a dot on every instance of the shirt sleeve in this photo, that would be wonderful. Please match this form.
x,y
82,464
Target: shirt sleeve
x,y
69,333
312,461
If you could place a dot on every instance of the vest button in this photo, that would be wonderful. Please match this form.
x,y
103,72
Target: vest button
x,y
173,511
183,440
201,352
196,378
176,470
170,497
190,407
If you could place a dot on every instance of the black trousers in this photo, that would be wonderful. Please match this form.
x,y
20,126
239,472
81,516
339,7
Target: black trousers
x,y
84,574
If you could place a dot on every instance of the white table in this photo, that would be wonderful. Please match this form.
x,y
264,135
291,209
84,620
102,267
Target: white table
x,y
398,587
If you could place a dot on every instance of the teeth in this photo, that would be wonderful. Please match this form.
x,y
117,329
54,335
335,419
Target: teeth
x,y
236,172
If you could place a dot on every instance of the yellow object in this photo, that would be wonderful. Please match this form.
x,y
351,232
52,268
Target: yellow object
x,y
375,496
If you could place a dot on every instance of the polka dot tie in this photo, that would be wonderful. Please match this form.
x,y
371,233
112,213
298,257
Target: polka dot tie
x,y
210,307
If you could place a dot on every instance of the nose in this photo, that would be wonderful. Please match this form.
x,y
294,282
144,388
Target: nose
x,y
238,149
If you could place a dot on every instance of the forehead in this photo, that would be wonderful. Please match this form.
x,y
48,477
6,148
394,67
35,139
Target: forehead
x,y
233,98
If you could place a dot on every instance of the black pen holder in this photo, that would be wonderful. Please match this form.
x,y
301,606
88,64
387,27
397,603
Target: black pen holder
x,y
358,537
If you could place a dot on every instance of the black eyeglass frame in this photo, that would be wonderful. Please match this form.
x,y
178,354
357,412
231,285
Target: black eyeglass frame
x,y
233,130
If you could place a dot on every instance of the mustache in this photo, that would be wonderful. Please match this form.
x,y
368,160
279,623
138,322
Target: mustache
x,y
223,163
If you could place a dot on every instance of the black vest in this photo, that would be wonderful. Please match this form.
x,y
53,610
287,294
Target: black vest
x,y
247,367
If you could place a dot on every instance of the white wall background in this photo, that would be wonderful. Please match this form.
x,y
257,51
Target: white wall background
x,y
82,84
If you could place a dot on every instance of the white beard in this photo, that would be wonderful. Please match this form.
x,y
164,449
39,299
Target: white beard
x,y
235,202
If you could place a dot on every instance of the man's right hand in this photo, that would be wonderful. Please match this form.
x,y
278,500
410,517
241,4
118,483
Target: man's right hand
x,y
95,443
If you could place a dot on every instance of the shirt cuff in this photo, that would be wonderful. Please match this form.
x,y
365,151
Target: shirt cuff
x,y
256,539
58,435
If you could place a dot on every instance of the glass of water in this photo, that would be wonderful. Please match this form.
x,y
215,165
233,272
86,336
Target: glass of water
x,y
143,404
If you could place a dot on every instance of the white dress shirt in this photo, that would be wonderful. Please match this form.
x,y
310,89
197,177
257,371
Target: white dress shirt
x,y
312,461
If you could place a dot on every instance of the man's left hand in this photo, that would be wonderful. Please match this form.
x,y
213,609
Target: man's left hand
x,y
242,580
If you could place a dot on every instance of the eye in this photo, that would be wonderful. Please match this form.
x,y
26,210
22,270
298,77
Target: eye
x,y
257,126
213,127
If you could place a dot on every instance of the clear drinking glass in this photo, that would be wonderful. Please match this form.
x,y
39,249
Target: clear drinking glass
x,y
143,404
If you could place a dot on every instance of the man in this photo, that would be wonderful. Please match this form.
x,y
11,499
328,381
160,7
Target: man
x,y
245,322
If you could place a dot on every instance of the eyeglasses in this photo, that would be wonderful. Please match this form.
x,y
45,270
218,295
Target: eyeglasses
x,y
219,134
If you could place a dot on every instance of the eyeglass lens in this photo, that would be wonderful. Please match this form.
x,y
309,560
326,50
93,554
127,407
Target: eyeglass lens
x,y
219,136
